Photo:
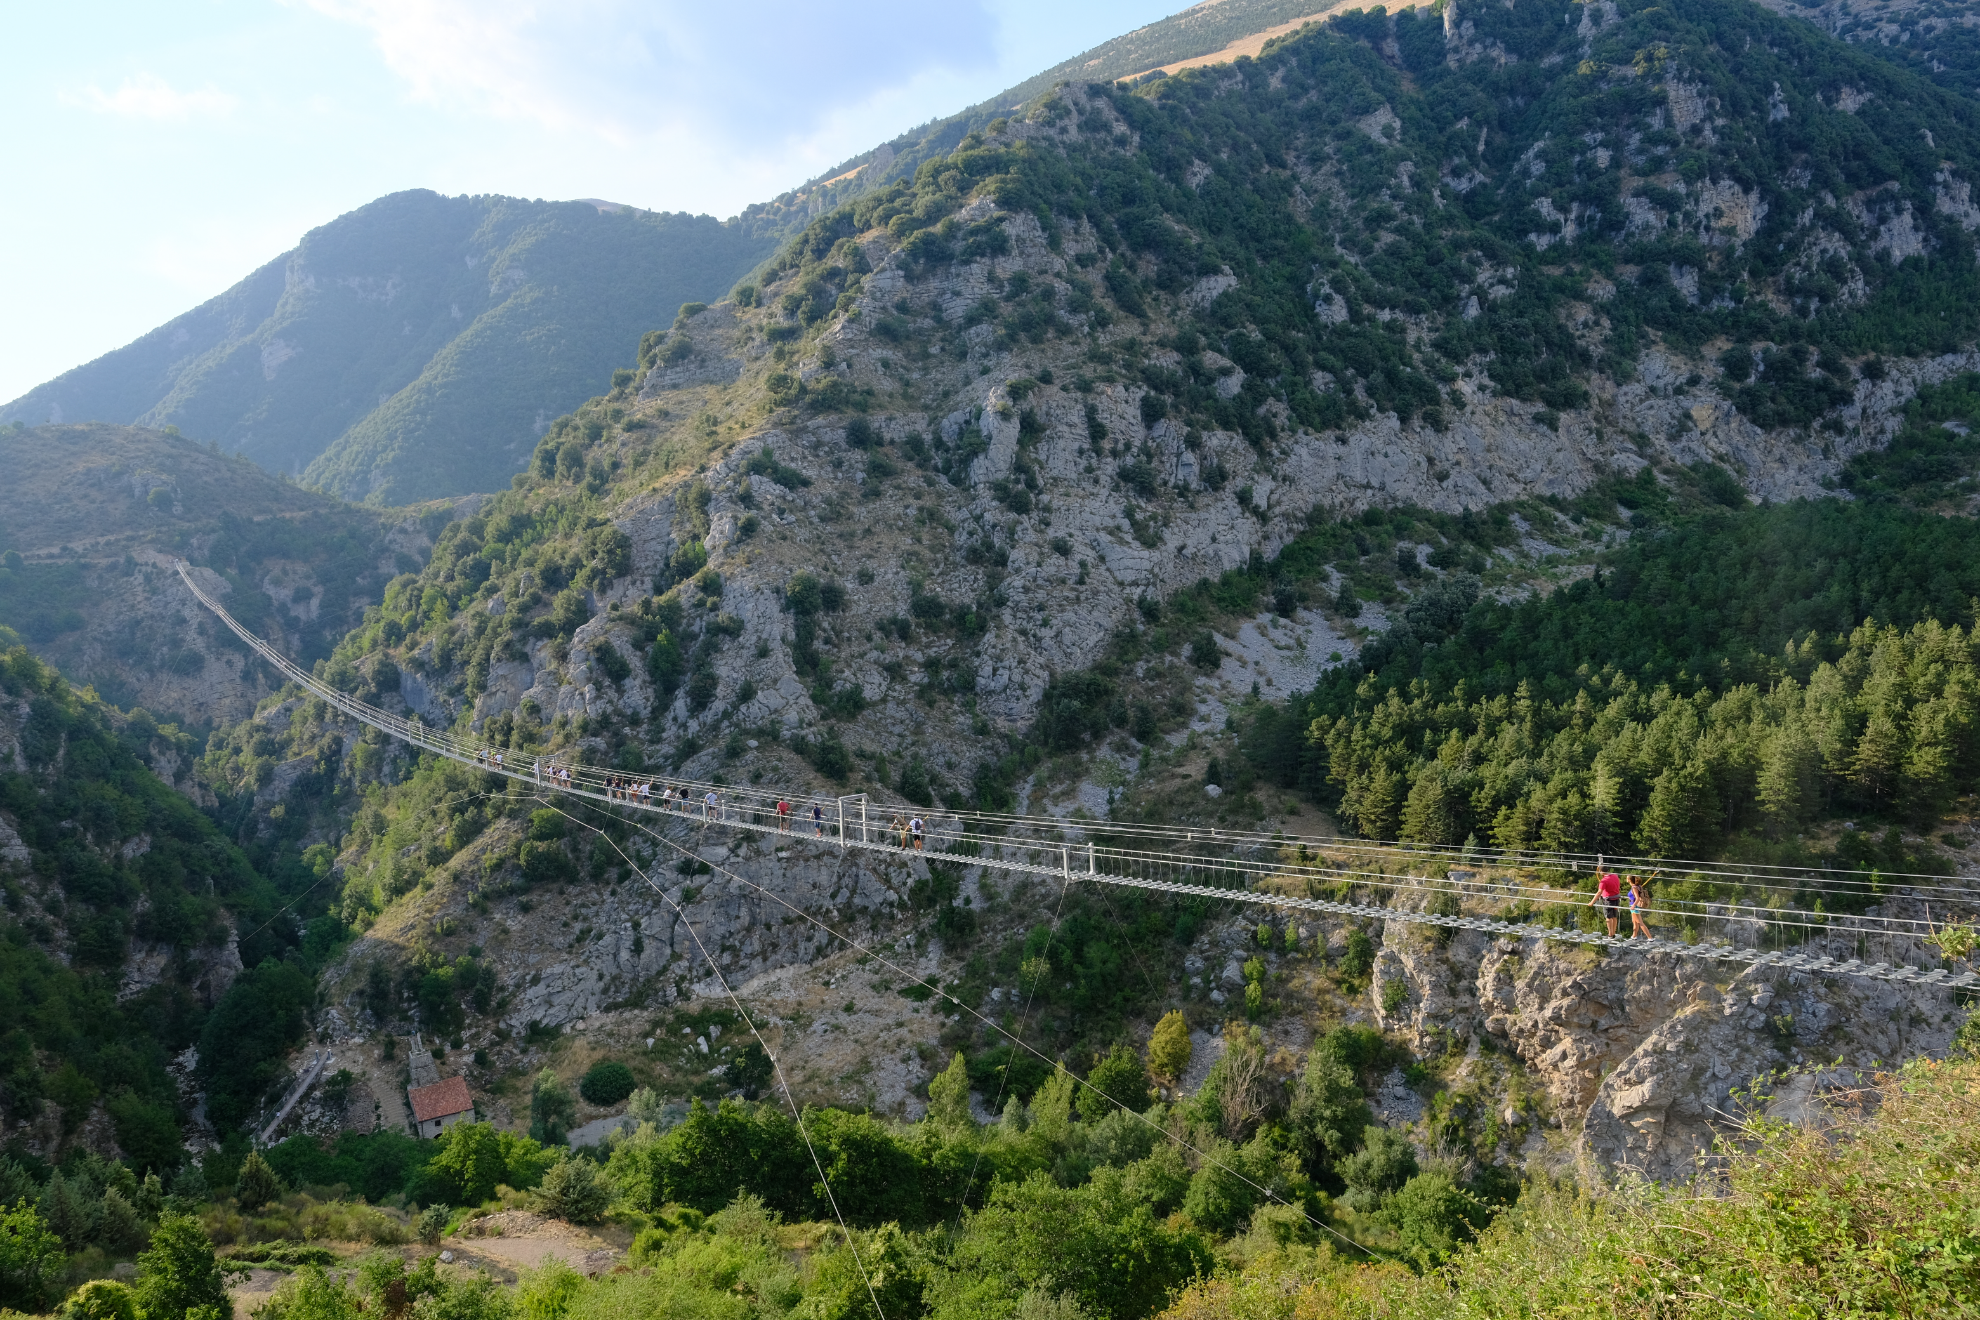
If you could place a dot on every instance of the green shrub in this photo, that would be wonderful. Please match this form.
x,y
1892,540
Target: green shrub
x,y
256,1184
1120,1079
1384,1163
31,1260
179,1276
606,1082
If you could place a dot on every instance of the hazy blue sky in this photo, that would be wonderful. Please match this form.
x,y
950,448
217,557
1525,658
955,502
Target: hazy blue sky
x,y
159,152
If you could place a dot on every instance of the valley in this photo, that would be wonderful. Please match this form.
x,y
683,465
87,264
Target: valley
x,y
1459,451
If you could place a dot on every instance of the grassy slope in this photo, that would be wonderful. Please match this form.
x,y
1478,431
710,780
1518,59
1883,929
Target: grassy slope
x,y
1857,1217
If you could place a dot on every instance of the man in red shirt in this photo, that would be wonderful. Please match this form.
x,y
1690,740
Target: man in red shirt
x,y
1608,894
783,814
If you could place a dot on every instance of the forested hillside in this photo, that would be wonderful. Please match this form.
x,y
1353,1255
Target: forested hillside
x,y
1081,448
413,348
1726,680
92,515
1936,39
135,930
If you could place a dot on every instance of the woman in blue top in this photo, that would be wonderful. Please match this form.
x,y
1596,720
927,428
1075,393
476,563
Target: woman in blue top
x,y
1639,908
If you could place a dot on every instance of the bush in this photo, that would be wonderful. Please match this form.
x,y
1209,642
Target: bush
x,y
574,1191
1328,1113
1384,1163
99,1299
1358,958
1432,1215
474,1159
547,863
1169,1047
606,1083
551,1110
1203,652
1119,1078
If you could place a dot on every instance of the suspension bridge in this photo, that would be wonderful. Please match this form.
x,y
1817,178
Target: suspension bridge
x,y
1739,914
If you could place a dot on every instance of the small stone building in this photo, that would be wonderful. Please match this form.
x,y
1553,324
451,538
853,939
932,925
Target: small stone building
x,y
437,1103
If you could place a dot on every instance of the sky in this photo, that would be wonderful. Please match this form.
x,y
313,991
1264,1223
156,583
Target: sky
x,y
161,152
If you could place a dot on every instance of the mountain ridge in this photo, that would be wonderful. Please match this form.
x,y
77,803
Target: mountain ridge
x,y
413,347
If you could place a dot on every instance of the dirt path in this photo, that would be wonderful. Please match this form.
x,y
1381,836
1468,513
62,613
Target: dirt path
x,y
515,1240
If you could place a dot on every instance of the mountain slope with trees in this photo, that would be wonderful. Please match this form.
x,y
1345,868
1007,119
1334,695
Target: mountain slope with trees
x,y
91,517
413,348
131,919
955,503
963,500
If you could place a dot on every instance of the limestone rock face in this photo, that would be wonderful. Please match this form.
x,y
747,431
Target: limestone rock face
x,y
1650,1057
1061,579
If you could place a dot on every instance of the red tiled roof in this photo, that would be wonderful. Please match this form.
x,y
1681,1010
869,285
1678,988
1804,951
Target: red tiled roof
x,y
440,1100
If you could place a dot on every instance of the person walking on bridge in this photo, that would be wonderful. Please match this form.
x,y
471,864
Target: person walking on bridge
x,y
783,815
714,806
1608,894
915,828
1639,908
818,819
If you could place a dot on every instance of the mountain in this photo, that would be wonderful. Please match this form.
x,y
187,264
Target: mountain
x,y
415,347
1217,31
91,517
1938,40
1092,467
1435,425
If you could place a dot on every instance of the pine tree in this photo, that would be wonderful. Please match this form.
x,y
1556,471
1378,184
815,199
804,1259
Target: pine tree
x,y
1789,780
1374,807
948,1097
70,1211
1169,1048
1878,755
574,1190
1434,811
1682,813
256,1184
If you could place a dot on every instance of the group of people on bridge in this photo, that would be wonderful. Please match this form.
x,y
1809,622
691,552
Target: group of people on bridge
x,y
1609,897
682,799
